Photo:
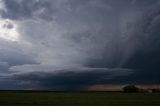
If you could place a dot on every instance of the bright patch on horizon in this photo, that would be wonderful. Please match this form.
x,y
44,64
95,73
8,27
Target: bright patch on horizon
x,y
8,30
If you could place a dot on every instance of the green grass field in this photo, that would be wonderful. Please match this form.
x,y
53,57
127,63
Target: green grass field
x,y
78,99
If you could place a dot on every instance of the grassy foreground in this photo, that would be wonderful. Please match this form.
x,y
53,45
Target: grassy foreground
x,y
78,99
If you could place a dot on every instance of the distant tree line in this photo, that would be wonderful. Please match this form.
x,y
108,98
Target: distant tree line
x,y
134,89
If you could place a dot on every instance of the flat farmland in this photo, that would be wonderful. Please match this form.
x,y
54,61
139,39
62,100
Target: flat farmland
x,y
78,99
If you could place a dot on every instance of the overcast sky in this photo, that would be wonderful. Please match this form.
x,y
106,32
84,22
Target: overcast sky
x,y
74,44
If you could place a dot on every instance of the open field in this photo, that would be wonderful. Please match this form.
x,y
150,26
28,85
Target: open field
x,y
78,99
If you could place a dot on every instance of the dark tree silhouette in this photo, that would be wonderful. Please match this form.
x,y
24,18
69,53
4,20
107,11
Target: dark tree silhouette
x,y
155,90
130,89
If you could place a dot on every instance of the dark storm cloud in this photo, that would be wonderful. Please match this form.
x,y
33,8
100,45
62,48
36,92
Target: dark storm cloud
x,y
66,79
80,22
101,35
146,59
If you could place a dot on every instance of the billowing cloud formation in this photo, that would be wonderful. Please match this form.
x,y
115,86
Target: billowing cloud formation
x,y
83,38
